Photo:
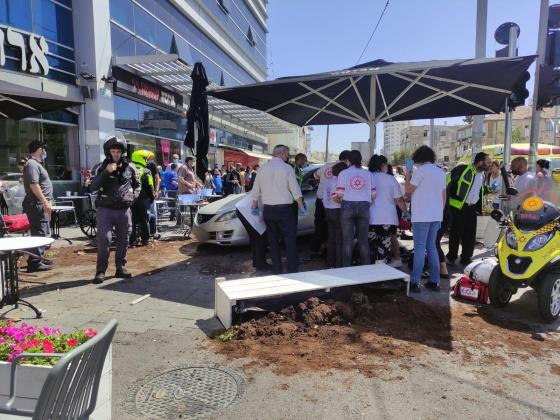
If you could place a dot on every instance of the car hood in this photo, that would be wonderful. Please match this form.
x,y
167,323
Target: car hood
x,y
222,205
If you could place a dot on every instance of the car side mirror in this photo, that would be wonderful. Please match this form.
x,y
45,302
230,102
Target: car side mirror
x,y
497,215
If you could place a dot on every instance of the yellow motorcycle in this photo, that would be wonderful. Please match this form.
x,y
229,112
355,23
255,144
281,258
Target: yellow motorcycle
x,y
528,252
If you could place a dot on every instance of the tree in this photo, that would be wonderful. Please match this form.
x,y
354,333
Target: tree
x,y
516,136
399,158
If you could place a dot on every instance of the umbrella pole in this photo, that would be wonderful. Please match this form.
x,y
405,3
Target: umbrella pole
x,y
372,95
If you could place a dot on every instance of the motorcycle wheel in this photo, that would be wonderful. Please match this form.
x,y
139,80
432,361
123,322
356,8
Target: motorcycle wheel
x,y
499,294
88,223
549,297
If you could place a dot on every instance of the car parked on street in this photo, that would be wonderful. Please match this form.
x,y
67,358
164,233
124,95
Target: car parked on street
x,y
217,222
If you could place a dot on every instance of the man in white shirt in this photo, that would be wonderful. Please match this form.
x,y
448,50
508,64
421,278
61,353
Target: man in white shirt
x,y
277,188
526,181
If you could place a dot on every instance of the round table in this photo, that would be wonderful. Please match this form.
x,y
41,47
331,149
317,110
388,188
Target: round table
x,y
9,253
55,220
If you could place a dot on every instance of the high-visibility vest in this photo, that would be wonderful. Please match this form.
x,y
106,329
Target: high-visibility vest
x,y
458,194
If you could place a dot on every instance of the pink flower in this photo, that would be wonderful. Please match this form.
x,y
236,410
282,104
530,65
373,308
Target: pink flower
x,y
72,342
90,332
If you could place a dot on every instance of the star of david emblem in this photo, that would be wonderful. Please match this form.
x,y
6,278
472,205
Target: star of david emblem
x,y
357,182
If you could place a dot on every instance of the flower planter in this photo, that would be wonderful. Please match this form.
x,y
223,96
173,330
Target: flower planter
x,y
30,380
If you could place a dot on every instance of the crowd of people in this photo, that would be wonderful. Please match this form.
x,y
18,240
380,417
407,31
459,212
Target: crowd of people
x,y
225,180
357,210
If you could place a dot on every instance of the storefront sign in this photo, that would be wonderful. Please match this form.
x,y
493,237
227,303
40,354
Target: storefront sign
x,y
140,88
34,60
213,137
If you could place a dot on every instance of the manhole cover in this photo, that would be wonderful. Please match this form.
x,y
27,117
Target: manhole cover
x,y
191,392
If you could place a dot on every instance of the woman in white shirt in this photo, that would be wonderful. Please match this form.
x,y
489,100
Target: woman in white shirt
x,y
427,187
332,215
356,189
383,219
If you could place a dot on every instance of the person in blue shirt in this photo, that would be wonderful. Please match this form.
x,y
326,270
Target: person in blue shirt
x,y
218,181
170,178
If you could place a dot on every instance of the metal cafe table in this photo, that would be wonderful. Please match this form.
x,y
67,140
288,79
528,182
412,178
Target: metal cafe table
x,y
55,220
10,250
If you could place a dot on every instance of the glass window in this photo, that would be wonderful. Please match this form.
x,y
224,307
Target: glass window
x,y
123,12
148,5
187,29
143,49
16,13
53,21
65,2
61,64
126,113
60,50
145,25
122,42
163,37
134,116
165,11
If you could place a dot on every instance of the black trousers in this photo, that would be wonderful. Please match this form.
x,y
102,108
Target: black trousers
x,y
462,232
280,225
140,218
321,229
258,242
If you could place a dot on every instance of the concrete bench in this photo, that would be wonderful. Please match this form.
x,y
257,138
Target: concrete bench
x,y
228,293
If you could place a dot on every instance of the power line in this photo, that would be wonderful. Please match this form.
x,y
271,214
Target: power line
x,y
373,33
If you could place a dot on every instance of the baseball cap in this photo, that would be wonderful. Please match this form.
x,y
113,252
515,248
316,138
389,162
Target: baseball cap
x,y
36,144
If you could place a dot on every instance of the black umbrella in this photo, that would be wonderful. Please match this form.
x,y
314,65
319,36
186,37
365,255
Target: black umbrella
x,y
403,91
21,102
197,120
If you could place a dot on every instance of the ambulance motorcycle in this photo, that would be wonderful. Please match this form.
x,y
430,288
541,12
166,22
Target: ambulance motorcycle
x,y
528,251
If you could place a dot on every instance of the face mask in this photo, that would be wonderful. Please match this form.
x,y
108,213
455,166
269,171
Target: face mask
x,y
175,160
44,155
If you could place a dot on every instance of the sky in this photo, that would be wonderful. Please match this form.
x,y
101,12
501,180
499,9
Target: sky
x,y
311,36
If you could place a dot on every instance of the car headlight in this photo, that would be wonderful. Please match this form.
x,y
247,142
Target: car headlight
x,y
511,239
538,241
227,216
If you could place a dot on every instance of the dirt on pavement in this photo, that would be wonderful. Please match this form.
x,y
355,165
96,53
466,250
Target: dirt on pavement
x,y
318,335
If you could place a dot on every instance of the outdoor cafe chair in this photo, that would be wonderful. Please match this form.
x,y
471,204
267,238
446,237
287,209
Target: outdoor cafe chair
x,y
70,390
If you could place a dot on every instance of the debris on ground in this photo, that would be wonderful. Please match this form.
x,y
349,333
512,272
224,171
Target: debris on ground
x,y
371,333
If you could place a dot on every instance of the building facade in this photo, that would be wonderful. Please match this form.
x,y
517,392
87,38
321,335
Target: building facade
x,y
445,139
364,147
125,64
392,137
494,129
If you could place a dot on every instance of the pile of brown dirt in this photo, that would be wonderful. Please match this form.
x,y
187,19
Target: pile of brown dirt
x,y
365,334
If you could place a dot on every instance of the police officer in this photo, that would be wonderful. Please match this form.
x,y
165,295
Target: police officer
x,y
37,201
140,159
115,182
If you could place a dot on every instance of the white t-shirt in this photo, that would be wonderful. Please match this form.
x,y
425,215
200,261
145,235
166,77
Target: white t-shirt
x,y
526,182
383,210
474,193
329,190
324,173
355,184
427,198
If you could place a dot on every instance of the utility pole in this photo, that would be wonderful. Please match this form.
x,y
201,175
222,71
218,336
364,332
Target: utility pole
x,y
536,114
480,52
327,145
432,134
512,52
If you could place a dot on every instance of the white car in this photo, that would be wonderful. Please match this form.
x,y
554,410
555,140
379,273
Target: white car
x,y
217,222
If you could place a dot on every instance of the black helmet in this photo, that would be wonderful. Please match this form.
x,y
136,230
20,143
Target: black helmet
x,y
114,141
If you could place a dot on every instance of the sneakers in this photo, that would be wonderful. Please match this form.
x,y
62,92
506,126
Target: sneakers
x,y
432,286
414,288
99,278
122,273
39,267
